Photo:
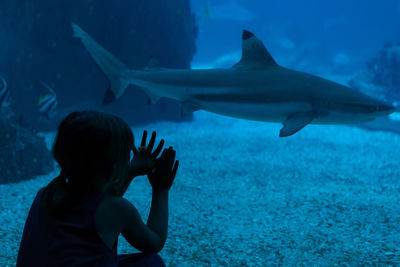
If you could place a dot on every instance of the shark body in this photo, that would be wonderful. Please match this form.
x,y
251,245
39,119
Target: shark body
x,y
256,88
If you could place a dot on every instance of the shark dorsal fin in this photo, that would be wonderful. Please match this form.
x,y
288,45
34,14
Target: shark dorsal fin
x,y
254,53
153,64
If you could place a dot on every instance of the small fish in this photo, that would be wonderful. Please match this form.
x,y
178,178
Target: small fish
x,y
48,102
4,93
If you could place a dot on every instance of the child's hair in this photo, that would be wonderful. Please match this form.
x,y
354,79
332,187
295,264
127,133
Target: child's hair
x,y
87,145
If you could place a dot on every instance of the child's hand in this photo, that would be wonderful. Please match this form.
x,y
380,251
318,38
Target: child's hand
x,y
144,160
164,172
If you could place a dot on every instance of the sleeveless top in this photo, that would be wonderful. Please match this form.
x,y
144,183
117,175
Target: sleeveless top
x,y
72,241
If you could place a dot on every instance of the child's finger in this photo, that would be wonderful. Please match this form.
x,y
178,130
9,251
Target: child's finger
x,y
174,170
144,137
151,142
158,149
134,150
170,157
164,153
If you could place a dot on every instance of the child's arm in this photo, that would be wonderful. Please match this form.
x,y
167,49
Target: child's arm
x,y
151,237
158,217
143,237
161,180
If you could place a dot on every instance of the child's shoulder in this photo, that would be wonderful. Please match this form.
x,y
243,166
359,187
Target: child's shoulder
x,y
113,207
110,218
116,204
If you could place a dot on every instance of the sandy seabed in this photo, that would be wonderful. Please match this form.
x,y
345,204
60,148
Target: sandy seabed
x,y
327,196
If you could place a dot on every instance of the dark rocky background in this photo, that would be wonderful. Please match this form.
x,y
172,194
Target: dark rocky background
x,y
36,44
23,153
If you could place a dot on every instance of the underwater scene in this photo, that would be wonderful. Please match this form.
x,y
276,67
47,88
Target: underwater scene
x,y
280,122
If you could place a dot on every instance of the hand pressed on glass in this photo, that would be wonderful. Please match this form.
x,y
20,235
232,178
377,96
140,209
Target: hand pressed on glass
x,y
144,159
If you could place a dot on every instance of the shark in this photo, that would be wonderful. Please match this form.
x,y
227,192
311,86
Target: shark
x,y
255,88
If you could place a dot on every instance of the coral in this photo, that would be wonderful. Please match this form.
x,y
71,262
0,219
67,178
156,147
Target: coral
x,y
23,154
381,77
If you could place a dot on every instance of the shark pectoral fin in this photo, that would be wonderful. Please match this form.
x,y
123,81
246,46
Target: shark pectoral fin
x,y
188,108
295,123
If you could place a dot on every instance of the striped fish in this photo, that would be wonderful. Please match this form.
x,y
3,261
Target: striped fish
x,y
47,103
5,100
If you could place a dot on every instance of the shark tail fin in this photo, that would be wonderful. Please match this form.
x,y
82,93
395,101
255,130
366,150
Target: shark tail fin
x,y
111,66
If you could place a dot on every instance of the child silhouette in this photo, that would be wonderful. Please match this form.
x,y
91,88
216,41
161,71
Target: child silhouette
x,y
77,218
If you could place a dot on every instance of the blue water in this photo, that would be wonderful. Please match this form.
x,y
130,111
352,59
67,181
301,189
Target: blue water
x,y
326,196
357,28
333,39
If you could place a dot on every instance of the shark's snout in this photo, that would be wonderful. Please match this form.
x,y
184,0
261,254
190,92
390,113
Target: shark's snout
x,y
385,109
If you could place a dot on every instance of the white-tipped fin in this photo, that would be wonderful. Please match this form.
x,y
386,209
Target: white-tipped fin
x,y
254,53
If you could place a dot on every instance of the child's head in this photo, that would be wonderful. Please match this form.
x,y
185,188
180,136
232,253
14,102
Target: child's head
x,y
89,146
